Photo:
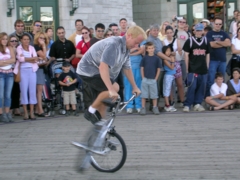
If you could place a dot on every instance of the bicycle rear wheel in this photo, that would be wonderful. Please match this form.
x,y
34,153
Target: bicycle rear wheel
x,y
115,157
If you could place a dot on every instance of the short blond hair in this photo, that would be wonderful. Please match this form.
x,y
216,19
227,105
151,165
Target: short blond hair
x,y
136,31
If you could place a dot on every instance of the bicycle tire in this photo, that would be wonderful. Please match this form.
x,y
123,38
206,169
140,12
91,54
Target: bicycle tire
x,y
122,150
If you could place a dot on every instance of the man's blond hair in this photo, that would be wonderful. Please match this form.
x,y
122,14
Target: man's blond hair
x,y
135,31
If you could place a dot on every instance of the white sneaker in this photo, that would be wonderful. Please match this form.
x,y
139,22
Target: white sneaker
x,y
168,109
173,109
138,110
129,110
186,109
198,107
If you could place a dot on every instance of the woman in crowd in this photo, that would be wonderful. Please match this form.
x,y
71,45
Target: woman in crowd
x,y
14,42
178,53
27,60
234,84
49,33
108,33
7,58
162,34
235,61
83,45
41,46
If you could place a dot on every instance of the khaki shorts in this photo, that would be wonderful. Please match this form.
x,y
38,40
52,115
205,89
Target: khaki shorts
x,y
69,97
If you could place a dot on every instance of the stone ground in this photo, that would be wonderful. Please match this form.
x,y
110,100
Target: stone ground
x,y
165,147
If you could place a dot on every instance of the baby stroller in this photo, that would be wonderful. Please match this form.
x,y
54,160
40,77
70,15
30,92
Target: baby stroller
x,y
47,98
57,90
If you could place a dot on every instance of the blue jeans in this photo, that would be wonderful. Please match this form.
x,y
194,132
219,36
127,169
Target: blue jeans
x,y
196,89
6,84
214,67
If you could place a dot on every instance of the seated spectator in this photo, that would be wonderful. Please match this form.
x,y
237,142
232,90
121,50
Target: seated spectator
x,y
27,60
234,84
218,99
67,80
7,58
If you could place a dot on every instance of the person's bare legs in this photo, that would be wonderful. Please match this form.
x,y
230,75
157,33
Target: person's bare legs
x,y
218,106
25,111
39,98
32,111
180,88
154,102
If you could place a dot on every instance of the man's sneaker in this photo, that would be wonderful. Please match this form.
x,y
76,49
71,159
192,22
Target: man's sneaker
x,y
75,113
186,109
138,110
4,118
155,110
143,111
67,113
9,116
173,109
168,109
181,105
93,118
198,107
129,110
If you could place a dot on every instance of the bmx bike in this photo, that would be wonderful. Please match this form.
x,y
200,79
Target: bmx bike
x,y
105,149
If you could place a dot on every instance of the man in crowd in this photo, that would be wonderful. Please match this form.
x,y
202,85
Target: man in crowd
x,y
219,41
101,65
115,29
99,32
77,35
37,27
19,30
123,25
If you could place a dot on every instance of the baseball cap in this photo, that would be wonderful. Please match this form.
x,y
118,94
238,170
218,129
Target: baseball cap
x,y
57,71
66,64
199,27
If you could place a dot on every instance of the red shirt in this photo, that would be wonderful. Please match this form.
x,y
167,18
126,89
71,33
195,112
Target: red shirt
x,y
83,47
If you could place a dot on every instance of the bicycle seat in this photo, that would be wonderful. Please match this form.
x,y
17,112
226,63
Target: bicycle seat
x,y
108,102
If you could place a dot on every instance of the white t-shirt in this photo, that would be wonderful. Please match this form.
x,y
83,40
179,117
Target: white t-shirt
x,y
178,57
236,43
78,38
26,54
216,90
5,57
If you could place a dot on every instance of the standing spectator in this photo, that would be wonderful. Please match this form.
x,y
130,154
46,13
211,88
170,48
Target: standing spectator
x,y
37,27
219,41
205,22
115,29
162,34
108,33
235,17
153,37
99,32
197,51
49,33
40,44
62,48
19,30
14,42
7,58
178,53
234,84
27,60
123,26
150,70
206,30
218,99
235,25
92,32
83,45
168,79
77,35
67,80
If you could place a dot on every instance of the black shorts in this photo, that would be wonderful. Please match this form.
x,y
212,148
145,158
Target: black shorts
x,y
95,84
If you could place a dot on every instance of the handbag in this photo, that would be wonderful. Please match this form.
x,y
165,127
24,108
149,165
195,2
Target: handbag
x,y
17,77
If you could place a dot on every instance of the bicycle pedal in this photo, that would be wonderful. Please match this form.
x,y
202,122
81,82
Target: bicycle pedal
x,y
89,149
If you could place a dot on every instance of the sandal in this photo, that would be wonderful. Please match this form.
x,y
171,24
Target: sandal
x,y
211,108
42,115
26,117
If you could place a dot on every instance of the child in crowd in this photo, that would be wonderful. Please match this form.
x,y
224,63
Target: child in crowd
x,y
67,80
169,67
218,99
150,70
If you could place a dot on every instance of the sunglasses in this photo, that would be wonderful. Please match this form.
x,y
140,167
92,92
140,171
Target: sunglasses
x,y
100,30
218,24
13,41
85,33
38,25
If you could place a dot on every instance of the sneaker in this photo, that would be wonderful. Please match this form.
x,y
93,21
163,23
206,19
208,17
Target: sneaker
x,y
168,109
129,110
186,109
181,105
4,118
143,111
155,110
173,109
75,113
67,113
93,118
9,116
198,107
138,110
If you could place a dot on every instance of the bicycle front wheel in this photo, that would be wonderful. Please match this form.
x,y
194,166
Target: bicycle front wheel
x,y
115,157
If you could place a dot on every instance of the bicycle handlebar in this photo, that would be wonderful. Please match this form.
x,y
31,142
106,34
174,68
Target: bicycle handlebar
x,y
124,103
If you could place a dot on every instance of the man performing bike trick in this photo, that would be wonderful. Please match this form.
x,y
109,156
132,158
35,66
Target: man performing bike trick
x,y
100,66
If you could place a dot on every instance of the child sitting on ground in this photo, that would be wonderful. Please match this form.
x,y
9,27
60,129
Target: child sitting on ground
x,y
67,80
169,67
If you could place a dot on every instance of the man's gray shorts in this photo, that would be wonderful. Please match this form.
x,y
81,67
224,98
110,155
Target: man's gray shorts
x,y
149,88
219,101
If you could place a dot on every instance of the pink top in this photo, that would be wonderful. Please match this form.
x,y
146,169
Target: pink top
x,y
22,58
